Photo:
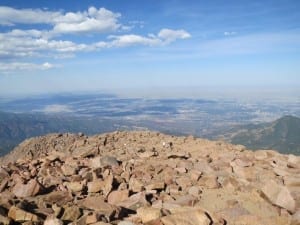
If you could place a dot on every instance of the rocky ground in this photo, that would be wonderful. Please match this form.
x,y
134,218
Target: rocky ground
x,y
149,178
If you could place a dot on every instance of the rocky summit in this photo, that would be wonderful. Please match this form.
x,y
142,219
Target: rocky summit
x,y
128,178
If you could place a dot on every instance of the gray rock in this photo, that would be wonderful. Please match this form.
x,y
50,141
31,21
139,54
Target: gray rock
x,y
109,161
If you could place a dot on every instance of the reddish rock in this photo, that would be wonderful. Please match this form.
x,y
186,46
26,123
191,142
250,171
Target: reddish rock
x,y
75,186
195,175
53,221
95,186
57,197
293,161
296,218
92,217
230,183
260,155
243,162
98,204
279,195
203,167
186,200
107,187
172,189
135,185
292,181
209,181
157,204
187,164
249,220
5,199
192,217
95,162
32,188
50,180
56,210
71,213
68,170
85,151
184,182
135,201
116,197
156,185
148,213
181,170
194,191
3,173
4,183
20,215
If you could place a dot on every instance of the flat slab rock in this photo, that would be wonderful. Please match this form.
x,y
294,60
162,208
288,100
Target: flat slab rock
x,y
133,178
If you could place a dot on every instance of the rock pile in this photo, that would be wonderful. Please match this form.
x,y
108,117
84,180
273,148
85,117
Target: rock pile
x,y
128,178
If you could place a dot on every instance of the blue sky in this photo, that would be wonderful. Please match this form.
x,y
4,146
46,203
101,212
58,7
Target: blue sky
x,y
64,46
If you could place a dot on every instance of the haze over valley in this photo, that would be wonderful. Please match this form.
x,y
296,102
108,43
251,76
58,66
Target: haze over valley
x,y
97,113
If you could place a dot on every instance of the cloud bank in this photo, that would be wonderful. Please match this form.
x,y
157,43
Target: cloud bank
x,y
92,20
57,42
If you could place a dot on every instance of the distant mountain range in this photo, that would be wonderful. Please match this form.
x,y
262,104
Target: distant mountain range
x,y
15,127
282,135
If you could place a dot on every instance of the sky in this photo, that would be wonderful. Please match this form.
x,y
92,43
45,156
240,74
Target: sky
x,y
120,46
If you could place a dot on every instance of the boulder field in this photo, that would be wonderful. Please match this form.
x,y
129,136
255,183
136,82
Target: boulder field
x,y
128,178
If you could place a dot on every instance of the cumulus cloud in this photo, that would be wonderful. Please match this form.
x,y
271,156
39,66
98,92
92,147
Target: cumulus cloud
x,y
25,33
21,44
169,35
164,36
93,20
18,44
132,39
10,16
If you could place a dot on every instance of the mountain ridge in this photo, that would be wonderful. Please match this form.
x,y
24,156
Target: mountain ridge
x,y
282,135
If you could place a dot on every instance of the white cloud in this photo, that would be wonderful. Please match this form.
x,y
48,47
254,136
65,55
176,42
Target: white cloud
x,y
26,33
132,39
17,44
91,21
47,66
11,16
165,36
30,43
169,35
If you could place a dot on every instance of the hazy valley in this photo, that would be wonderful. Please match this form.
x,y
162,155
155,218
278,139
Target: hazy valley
x,y
227,119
